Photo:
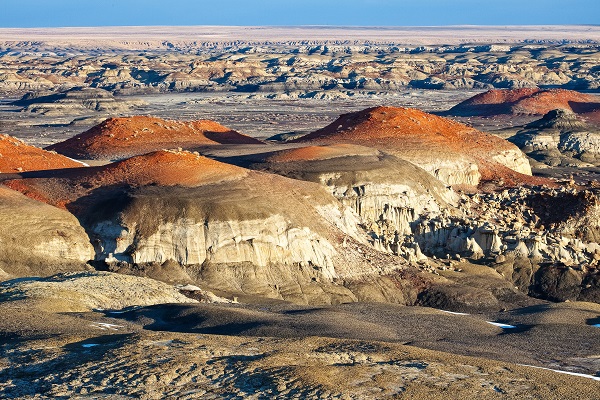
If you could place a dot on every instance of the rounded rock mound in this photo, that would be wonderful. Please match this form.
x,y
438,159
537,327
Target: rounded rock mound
x,y
118,138
558,138
86,291
38,239
17,156
453,152
528,101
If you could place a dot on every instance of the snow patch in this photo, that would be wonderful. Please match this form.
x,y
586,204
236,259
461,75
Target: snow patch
x,y
501,325
453,312
596,378
104,326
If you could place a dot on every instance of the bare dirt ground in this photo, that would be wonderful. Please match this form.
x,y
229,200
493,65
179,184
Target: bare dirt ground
x,y
353,351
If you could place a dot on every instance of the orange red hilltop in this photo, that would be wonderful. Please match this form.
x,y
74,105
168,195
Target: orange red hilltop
x,y
128,136
162,168
404,129
17,156
437,144
531,101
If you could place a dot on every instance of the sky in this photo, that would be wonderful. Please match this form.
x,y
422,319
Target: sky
x,y
57,13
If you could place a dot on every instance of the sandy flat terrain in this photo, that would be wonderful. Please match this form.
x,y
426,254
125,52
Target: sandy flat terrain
x,y
131,36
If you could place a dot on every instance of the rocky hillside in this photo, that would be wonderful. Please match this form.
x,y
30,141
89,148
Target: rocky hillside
x,y
451,151
291,241
526,101
38,239
17,156
388,193
124,137
559,138
76,100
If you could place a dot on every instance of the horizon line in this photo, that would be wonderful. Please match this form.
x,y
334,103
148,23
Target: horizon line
x,y
301,26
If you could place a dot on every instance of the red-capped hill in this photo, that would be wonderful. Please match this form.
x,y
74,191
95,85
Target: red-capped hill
x,y
525,101
167,168
16,156
453,152
396,128
160,168
124,137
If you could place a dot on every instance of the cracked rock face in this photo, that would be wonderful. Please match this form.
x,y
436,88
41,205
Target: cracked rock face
x,y
408,213
389,194
544,240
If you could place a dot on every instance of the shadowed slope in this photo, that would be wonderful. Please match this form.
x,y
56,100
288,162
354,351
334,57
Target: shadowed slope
x,y
38,239
245,232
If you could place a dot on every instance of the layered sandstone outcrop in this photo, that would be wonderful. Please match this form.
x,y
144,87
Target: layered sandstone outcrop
x,y
276,65
558,138
218,221
76,100
388,193
118,138
546,241
450,151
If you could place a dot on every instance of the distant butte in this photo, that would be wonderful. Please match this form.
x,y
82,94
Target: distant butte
x,y
453,152
526,101
118,138
17,156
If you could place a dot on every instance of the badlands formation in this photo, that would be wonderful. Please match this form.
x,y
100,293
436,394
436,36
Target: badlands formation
x,y
291,63
392,252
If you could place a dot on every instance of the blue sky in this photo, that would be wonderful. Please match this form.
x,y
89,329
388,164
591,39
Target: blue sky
x,y
51,13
